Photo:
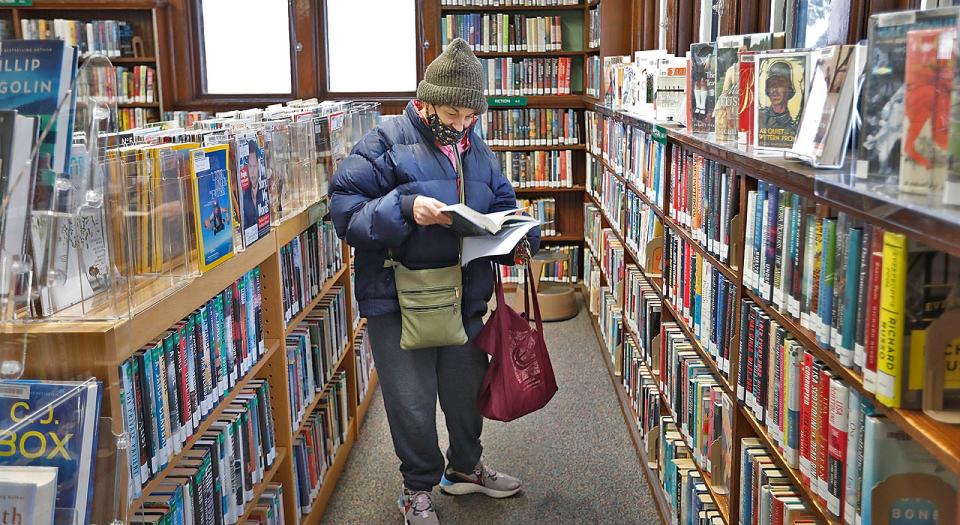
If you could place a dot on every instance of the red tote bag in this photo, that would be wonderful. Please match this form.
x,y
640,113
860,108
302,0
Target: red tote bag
x,y
520,378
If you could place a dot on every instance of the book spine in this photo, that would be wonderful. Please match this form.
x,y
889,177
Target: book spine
x,y
890,358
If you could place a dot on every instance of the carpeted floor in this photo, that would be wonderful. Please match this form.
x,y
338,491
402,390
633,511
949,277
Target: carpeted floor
x,y
575,456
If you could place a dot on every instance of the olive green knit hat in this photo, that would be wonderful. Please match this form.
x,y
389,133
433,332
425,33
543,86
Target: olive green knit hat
x,y
455,78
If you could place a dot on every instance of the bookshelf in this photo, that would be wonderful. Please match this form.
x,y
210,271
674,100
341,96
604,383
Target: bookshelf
x,y
939,439
142,15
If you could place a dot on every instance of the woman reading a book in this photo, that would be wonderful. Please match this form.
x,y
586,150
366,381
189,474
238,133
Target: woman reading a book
x,y
386,199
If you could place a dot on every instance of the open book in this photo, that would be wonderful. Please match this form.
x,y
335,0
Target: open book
x,y
470,223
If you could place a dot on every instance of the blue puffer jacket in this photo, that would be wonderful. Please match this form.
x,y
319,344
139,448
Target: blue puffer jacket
x,y
371,202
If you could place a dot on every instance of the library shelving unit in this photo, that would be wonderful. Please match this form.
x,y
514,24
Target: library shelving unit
x,y
940,231
575,27
142,15
96,349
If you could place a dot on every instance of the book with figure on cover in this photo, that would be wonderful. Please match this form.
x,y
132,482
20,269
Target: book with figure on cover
x,y
212,205
780,94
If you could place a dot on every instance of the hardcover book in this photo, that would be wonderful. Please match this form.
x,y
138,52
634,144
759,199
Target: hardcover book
x,y
55,425
727,114
780,95
884,89
28,494
254,195
703,82
213,206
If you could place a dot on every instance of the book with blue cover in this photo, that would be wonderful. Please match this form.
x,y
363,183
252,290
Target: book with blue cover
x,y
210,171
54,424
35,78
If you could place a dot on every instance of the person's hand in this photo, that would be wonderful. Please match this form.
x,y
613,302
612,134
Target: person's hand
x,y
426,211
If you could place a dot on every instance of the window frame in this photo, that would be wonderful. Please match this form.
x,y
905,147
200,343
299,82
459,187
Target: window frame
x,y
422,12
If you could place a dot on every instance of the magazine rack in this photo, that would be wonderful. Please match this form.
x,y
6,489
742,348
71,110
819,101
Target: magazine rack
x,y
58,424
87,223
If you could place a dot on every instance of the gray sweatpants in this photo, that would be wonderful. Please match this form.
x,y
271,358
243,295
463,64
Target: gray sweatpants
x,y
411,381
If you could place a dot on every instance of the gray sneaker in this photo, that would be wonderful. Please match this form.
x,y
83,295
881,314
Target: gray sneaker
x,y
417,508
483,479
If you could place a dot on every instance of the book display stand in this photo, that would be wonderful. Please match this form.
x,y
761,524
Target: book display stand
x,y
113,274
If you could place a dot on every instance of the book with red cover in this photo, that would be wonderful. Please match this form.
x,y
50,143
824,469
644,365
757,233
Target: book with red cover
x,y
837,447
823,431
747,78
873,310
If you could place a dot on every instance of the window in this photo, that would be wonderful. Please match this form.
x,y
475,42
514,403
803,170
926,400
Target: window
x,y
377,55
246,47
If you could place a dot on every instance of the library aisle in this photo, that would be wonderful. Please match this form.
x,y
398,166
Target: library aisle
x,y
575,456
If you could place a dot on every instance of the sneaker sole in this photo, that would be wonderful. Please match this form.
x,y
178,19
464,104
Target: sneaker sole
x,y
460,489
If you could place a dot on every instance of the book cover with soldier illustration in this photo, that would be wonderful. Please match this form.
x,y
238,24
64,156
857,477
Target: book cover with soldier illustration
x,y
779,92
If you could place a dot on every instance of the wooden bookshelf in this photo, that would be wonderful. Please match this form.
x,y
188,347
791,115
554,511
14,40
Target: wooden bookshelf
x,y
941,440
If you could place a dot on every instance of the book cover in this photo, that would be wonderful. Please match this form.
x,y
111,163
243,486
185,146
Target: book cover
x,y
28,494
253,188
891,319
727,112
747,80
213,206
837,457
703,92
55,424
922,135
780,94
900,478
884,89
36,76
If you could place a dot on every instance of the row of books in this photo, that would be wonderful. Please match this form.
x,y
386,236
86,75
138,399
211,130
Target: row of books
x,y
530,127
503,32
593,28
593,75
643,233
545,211
705,198
864,292
703,413
610,319
683,483
132,118
172,384
314,349
185,119
643,313
528,76
703,296
508,3
214,481
766,494
315,448
136,85
363,353
306,263
612,198
536,169
638,156
113,38
564,270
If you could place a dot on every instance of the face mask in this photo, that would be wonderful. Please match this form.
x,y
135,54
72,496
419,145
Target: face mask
x,y
445,134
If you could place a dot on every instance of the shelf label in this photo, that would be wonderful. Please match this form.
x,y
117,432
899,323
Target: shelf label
x,y
16,2
660,134
497,102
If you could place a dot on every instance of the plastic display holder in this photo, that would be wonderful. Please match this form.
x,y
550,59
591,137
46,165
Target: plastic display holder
x,y
57,425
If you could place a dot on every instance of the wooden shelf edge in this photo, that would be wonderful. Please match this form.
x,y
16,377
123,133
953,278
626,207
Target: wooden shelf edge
x,y
317,396
267,478
290,227
495,9
272,346
324,290
149,323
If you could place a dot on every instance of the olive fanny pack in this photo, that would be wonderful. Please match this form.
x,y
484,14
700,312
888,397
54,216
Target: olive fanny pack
x,y
430,299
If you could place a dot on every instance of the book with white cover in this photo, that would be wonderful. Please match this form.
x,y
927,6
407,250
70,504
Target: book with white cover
x,y
27,494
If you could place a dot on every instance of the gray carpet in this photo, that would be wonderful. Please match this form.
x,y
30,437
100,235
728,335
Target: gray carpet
x,y
575,456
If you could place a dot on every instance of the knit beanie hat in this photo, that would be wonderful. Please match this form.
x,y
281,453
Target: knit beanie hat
x,y
455,78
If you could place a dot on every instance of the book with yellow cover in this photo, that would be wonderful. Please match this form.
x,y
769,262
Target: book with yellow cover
x,y
213,206
890,333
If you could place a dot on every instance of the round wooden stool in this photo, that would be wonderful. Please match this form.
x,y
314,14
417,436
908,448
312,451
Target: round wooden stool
x,y
558,301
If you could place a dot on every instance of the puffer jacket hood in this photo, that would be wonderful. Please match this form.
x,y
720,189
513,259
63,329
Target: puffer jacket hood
x,y
371,201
